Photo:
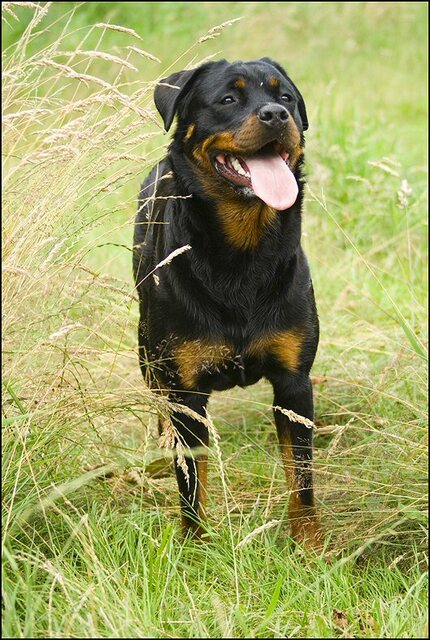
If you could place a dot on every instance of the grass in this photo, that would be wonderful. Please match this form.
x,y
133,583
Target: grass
x,y
91,544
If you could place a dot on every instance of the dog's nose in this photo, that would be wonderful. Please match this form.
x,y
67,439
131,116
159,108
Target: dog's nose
x,y
273,115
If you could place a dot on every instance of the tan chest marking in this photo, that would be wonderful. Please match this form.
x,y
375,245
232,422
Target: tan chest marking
x,y
244,223
286,346
195,357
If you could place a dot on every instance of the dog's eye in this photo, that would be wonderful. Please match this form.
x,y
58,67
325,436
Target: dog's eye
x,y
227,100
286,97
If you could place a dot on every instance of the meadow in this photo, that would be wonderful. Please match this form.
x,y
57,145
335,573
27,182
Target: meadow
x,y
91,538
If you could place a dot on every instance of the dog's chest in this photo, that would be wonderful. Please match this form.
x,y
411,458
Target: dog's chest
x,y
221,363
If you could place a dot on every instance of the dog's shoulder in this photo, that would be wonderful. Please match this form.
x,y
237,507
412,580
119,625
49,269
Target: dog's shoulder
x,y
154,189
154,194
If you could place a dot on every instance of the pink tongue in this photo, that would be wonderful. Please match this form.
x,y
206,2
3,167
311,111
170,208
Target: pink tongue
x,y
272,180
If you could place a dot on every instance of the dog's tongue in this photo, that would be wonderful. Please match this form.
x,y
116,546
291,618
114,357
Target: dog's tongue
x,y
272,180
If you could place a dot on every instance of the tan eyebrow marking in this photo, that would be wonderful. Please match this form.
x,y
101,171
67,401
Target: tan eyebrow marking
x,y
240,83
190,132
274,82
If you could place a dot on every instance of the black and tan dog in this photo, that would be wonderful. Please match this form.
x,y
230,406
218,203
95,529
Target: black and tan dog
x,y
238,305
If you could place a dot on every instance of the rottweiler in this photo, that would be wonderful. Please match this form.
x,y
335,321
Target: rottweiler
x,y
237,305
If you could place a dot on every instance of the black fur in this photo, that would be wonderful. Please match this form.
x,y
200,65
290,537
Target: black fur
x,y
217,292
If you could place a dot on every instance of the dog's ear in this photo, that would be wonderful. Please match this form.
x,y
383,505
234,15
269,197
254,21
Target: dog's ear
x,y
169,90
301,103
301,107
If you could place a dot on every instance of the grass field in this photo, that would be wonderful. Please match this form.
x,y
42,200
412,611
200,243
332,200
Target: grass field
x,y
91,540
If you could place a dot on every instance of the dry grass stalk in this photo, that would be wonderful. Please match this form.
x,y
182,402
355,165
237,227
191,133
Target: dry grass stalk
x,y
143,53
115,27
214,32
181,462
247,539
167,260
100,55
27,5
295,417
172,255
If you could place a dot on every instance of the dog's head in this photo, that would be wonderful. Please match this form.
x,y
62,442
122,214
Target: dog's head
x,y
241,125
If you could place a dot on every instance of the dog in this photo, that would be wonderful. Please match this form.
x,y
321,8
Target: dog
x,y
236,304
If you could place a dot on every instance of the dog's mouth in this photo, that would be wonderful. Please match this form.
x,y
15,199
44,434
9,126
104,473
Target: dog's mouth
x,y
265,174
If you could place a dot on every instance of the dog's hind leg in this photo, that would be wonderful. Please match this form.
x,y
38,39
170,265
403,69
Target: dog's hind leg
x,y
192,439
295,441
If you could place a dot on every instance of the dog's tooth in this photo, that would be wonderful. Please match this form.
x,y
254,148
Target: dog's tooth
x,y
241,170
245,173
236,164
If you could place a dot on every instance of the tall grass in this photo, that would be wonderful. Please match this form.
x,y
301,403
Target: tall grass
x,y
90,537
72,140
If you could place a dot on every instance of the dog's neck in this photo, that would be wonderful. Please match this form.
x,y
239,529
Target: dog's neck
x,y
242,223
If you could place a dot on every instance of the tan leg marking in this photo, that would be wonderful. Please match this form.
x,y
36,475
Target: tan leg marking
x,y
286,346
202,469
305,527
194,357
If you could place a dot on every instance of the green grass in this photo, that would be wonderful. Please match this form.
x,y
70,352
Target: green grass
x,y
91,543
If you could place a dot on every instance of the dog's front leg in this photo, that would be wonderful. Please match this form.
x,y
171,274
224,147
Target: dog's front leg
x,y
295,441
190,463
